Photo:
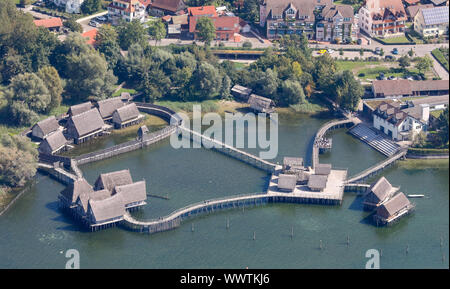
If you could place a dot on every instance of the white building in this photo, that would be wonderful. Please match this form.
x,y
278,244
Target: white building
x,y
71,6
128,10
399,123
382,18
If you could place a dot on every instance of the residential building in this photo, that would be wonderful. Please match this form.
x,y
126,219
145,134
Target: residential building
x,y
178,26
411,2
401,123
128,10
431,22
52,24
439,2
208,11
45,127
165,7
412,10
227,27
71,6
283,17
90,36
336,24
382,18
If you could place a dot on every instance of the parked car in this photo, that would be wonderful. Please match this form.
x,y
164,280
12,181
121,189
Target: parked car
x,y
322,51
94,23
377,51
389,57
409,77
101,19
395,51
330,51
381,76
359,41
392,77
418,77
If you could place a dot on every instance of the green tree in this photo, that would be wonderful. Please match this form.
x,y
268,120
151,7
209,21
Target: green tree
x,y
130,33
53,83
266,83
85,70
225,90
424,64
251,10
106,42
443,123
11,66
18,160
411,52
291,93
91,6
157,31
404,62
73,25
207,81
27,94
206,31
348,91
324,73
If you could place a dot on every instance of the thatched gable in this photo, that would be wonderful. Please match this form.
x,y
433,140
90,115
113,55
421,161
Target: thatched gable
x,y
106,210
132,194
53,143
108,106
85,123
125,113
70,193
79,108
110,180
45,127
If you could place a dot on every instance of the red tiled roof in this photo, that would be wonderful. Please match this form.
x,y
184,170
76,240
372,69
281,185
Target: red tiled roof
x,y
412,1
223,23
49,23
145,2
90,36
203,10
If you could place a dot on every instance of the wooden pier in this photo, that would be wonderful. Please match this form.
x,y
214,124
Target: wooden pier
x,y
230,151
377,168
334,124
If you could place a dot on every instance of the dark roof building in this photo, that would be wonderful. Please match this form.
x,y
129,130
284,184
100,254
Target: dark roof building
x,y
53,143
133,194
110,180
45,127
85,125
395,208
379,192
286,182
317,182
241,92
406,88
322,169
126,115
108,106
261,104
166,7
79,108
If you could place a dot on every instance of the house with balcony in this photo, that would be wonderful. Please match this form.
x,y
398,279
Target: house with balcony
x,y
287,17
382,18
336,24
127,10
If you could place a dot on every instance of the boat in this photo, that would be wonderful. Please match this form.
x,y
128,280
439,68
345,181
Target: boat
x,y
416,196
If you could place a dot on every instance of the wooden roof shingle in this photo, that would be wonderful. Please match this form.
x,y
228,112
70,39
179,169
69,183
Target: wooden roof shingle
x,y
110,180
86,122
107,107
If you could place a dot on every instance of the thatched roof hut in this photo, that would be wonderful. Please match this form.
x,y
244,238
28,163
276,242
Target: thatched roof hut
x,y
317,182
133,194
79,108
292,164
110,180
286,182
109,210
241,92
108,106
260,104
53,143
45,127
378,192
85,124
126,114
394,208
71,193
322,169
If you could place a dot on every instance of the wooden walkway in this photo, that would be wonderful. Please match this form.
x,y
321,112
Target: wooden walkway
x,y
378,167
322,131
231,151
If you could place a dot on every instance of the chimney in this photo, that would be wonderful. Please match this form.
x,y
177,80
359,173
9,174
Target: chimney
x,y
425,112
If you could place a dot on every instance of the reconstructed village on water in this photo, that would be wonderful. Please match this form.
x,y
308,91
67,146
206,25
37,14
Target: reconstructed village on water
x,y
368,170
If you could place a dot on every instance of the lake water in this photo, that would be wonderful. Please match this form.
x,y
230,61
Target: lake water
x,y
35,234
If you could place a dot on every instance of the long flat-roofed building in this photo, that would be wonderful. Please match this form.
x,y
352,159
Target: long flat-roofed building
x,y
407,88
86,125
392,210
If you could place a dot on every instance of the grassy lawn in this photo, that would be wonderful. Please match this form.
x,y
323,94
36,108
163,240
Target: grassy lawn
x,y
394,40
350,65
442,56
129,90
436,113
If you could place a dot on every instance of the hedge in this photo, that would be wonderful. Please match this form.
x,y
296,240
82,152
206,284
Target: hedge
x,y
427,151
